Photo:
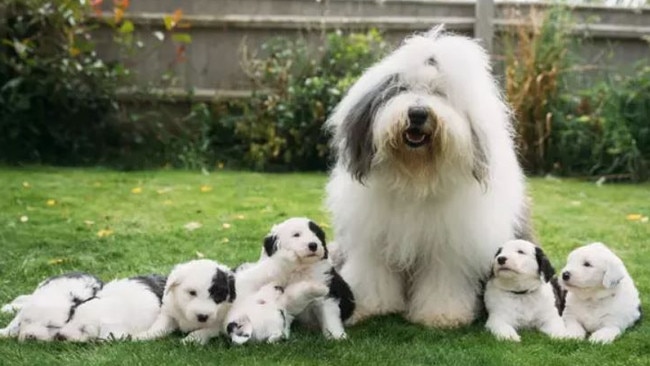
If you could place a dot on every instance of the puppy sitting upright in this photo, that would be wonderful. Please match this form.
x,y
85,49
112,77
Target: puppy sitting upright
x,y
307,240
601,298
520,295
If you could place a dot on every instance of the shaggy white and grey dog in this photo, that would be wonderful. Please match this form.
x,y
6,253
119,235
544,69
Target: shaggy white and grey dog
x,y
266,315
197,297
522,293
427,185
41,314
122,308
601,299
306,240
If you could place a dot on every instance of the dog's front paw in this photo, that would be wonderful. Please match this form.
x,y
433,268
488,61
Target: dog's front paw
x,y
604,336
504,332
8,309
336,336
194,338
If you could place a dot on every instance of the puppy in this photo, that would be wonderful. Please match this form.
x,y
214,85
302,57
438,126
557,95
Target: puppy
x,y
42,313
266,316
196,299
520,295
307,240
121,309
601,299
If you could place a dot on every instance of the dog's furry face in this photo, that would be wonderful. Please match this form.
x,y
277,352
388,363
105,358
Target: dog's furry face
x,y
419,111
592,268
300,235
260,317
521,262
43,316
200,290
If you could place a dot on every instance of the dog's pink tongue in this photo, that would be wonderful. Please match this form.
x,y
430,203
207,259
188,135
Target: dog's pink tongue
x,y
415,137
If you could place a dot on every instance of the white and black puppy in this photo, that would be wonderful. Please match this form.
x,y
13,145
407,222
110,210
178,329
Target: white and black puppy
x,y
521,293
121,309
601,299
197,297
266,315
307,240
42,313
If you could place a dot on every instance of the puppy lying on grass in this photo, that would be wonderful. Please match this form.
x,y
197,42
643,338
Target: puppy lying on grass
x,y
602,299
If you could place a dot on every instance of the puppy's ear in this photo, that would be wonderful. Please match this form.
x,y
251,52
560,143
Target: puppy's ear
x,y
175,278
222,287
358,149
545,268
613,274
270,244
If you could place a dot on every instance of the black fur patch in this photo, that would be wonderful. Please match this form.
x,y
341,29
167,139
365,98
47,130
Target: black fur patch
x,y
560,295
320,234
270,244
339,289
223,287
155,283
544,266
76,302
498,252
358,150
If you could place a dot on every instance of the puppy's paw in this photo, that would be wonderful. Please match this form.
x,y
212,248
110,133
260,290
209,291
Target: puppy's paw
x,y
506,334
5,333
604,336
196,339
336,336
8,309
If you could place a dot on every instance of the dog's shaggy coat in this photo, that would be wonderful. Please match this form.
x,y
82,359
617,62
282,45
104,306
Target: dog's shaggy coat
x,y
426,184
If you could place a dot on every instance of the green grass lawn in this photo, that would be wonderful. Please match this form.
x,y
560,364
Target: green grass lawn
x,y
120,224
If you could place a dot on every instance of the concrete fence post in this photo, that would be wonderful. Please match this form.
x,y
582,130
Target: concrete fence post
x,y
484,25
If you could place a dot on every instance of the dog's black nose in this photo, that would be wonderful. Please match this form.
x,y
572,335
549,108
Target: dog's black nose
x,y
502,260
566,275
202,318
312,246
60,337
418,115
231,327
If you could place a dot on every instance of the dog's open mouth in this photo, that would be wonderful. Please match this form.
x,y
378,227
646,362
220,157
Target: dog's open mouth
x,y
414,137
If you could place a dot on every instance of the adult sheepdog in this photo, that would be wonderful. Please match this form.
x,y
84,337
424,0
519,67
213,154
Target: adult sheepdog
x,y
426,185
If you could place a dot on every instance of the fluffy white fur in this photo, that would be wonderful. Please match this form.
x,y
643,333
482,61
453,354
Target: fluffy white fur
x,y
189,303
121,309
301,236
41,314
266,315
519,294
418,212
602,299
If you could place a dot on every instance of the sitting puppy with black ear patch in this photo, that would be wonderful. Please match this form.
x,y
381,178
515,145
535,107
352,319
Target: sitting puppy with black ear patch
x,y
121,309
266,315
42,313
197,297
307,240
521,294
601,298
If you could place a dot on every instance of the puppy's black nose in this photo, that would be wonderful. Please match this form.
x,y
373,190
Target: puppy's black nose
x,y
231,327
312,246
566,275
502,260
418,115
60,337
201,318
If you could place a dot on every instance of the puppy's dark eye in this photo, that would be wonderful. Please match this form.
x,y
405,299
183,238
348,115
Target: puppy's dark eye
x,y
191,293
586,264
296,235
521,252
431,61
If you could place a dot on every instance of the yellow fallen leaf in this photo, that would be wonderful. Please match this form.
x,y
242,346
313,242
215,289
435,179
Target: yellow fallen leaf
x,y
24,218
55,261
89,222
324,226
136,190
644,219
26,185
240,217
634,217
104,233
199,254
226,225
225,240
191,226
164,190
205,188
167,202
51,202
